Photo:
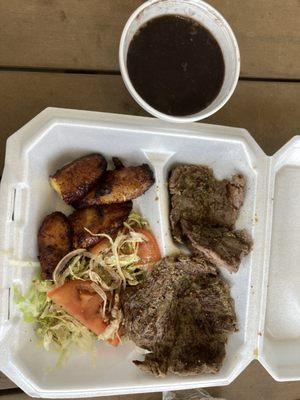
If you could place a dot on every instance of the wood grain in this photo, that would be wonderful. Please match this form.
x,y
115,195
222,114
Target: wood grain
x,y
268,33
85,34
62,33
268,110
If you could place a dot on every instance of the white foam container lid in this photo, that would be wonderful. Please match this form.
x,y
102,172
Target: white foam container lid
x,y
266,289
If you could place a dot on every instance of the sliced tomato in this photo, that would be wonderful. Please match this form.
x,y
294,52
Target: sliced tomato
x,y
80,300
102,245
148,251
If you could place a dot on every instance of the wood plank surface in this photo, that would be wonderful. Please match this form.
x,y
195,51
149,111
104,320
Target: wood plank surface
x,y
63,33
269,110
5,383
268,33
253,383
256,384
85,34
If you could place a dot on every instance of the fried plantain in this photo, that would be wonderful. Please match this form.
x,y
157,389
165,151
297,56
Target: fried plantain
x,y
73,181
117,163
54,242
105,219
120,185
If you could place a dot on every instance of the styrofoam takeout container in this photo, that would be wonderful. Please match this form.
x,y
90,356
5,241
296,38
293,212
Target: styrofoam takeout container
x,y
212,20
265,290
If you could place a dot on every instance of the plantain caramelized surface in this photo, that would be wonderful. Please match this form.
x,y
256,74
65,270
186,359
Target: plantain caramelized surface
x,y
105,219
74,180
120,185
54,242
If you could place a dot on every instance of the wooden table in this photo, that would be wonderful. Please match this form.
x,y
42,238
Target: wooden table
x,y
64,53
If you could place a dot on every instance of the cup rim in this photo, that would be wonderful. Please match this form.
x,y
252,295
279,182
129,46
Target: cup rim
x,y
151,110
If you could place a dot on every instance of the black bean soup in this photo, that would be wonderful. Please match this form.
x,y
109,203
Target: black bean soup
x,y
175,65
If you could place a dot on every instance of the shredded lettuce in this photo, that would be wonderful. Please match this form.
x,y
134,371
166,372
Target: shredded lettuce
x,y
33,303
57,327
114,267
136,220
52,325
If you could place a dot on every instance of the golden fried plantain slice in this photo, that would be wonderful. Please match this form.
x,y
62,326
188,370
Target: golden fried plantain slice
x,y
54,242
73,181
120,185
105,219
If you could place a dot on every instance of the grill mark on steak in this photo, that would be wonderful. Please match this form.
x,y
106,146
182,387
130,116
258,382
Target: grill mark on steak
x,y
203,214
182,313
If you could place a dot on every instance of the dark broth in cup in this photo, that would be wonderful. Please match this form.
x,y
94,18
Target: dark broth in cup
x,y
176,65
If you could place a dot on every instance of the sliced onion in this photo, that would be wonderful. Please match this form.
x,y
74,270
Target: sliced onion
x,y
62,263
102,294
100,235
94,277
117,316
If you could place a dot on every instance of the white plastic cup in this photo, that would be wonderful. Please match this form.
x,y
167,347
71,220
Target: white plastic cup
x,y
212,20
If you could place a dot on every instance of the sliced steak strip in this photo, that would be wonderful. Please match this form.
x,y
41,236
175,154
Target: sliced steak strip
x,y
203,214
197,196
220,245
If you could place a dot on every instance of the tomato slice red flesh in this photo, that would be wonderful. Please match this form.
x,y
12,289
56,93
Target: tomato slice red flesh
x,y
80,300
148,251
99,247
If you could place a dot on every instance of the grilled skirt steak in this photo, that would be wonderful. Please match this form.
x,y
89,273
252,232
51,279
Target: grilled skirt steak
x,y
182,314
197,196
221,246
203,214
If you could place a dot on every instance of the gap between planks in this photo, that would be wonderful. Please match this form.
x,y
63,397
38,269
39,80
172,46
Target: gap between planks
x,y
268,110
118,73
85,35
